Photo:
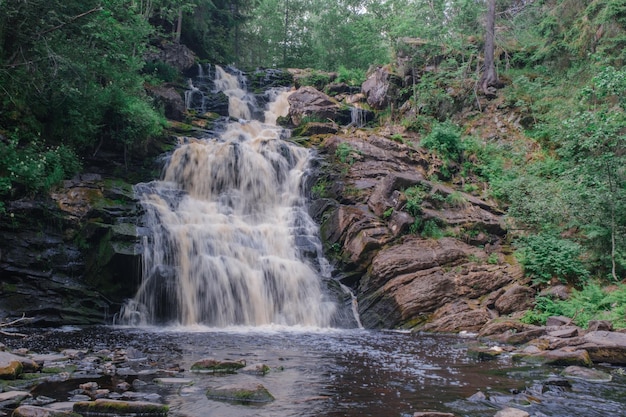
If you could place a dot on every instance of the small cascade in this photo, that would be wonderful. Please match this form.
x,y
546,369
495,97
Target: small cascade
x,y
231,240
358,117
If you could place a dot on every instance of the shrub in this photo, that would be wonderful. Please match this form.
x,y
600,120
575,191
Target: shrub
x,y
592,302
546,256
414,197
353,77
445,139
346,153
31,167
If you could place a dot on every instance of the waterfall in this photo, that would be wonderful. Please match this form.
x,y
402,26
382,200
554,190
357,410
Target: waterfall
x,y
231,241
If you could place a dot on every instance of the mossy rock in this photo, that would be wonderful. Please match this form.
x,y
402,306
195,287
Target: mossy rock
x,y
103,407
245,394
216,366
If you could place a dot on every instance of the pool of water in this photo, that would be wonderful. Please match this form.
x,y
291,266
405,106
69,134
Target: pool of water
x,y
350,373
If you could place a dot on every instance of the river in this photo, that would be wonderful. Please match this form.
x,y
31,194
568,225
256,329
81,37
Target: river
x,y
333,372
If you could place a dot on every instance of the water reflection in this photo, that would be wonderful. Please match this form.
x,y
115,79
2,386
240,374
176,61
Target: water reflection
x,y
349,373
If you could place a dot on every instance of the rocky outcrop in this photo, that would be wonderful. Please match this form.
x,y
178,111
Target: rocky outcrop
x,y
379,88
176,55
419,254
73,257
169,99
309,102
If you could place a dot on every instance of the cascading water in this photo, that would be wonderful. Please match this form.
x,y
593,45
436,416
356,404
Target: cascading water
x,y
230,233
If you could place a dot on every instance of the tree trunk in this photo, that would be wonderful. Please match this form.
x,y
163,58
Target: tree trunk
x,y
179,25
489,77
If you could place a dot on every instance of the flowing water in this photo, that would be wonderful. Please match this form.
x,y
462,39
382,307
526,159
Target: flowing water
x,y
333,373
231,240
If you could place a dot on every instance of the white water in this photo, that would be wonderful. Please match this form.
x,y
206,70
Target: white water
x,y
224,220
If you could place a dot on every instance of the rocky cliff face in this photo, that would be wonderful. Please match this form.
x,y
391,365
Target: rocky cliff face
x,y
457,276
419,253
73,257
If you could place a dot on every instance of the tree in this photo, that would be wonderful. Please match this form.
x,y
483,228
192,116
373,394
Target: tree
x,y
489,78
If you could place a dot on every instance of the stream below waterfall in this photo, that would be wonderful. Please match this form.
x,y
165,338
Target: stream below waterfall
x,y
315,372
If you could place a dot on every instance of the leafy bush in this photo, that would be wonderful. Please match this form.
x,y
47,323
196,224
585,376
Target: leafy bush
x,y
354,77
546,256
432,230
32,167
414,197
346,153
161,71
445,139
592,302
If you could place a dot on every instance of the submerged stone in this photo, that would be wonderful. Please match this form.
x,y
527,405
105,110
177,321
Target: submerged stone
x,y
217,366
586,374
119,408
243,393
33,411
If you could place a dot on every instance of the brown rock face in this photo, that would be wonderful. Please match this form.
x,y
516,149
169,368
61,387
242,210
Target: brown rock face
x,y
309,102
403,275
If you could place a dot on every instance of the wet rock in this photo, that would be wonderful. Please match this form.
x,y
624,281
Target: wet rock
x,y
216,366
511,412
173,381
10,365
605,346
309,102
256,369
431,414
586,374
559,357
34,411
243,393
169,100
10,399
485,353
117,408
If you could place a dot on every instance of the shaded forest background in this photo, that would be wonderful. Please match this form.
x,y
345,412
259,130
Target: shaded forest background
x,y
74,73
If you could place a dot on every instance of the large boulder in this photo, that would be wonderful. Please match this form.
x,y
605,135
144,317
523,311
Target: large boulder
x,y
307,102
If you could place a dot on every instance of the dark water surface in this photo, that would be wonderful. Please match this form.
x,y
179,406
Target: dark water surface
x,y
350,373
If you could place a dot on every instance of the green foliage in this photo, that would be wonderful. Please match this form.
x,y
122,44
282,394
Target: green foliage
x,y
346,153
316,79
592,302
161,71
414,197
353,77
456,199
445,139
320,189
387,214
432,230
546,256
33,167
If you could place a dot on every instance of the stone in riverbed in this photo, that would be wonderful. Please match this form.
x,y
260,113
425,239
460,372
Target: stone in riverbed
x,y
104,407
431,414
12,398
511,412
217,366
560,357
586,374
241,393
33,411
